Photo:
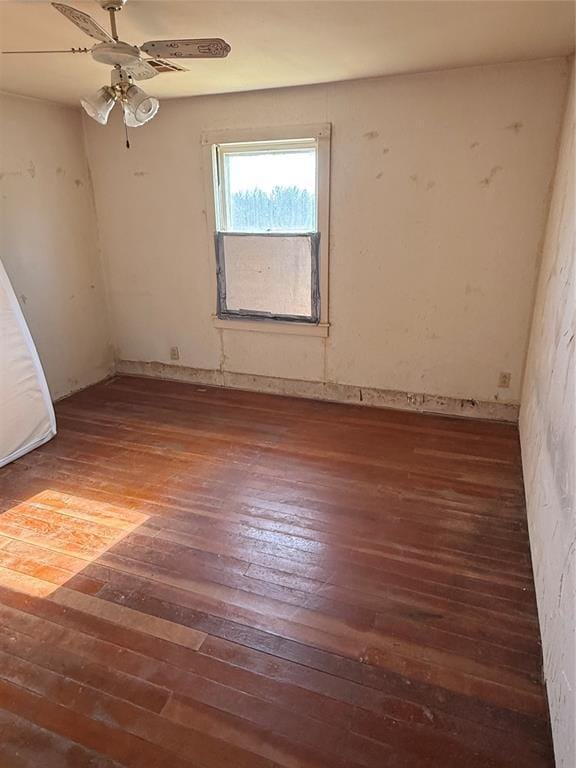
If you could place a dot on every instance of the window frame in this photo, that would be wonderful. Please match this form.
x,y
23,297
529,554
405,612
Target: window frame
x,y
275,137
224,313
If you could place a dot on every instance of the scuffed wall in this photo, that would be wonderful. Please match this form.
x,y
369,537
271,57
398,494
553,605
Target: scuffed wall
x,y
49,242
439,200
548,437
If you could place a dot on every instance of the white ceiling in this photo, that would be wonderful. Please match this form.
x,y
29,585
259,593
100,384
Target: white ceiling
x,y
283,43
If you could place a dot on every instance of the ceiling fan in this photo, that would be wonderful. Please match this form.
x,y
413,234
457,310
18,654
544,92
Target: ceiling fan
x,y
129,65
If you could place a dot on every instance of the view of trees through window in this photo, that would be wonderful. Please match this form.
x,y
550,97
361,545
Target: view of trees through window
x,y
269,187
282,209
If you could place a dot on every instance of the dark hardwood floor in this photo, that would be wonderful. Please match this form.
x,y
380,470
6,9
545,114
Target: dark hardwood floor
x,y
202,577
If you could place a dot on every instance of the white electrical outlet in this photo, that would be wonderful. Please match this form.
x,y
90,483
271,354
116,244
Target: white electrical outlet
x,y
504,380
174,353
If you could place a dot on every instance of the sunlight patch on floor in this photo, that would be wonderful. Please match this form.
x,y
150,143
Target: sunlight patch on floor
x,y
51,537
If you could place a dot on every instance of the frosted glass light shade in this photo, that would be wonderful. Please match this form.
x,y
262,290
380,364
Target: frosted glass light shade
x,y
99,105
139,108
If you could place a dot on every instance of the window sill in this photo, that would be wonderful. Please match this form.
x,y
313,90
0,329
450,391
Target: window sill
x,y
272,326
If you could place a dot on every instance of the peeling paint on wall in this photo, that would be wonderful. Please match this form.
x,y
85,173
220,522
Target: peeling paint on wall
x,y
548,438
48,241
324,390
393,241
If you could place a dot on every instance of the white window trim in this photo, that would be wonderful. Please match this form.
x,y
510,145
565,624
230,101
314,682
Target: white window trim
x,y
322,133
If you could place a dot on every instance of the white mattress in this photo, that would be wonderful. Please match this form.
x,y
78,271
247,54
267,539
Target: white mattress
x,y
26,414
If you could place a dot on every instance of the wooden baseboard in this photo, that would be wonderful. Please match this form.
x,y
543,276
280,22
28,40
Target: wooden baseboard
x,y
320,390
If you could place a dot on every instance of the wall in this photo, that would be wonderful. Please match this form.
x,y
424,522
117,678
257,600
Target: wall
x,y
49,242
548,437
439,199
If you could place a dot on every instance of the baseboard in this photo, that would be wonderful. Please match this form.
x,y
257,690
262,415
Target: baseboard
x,y
320,390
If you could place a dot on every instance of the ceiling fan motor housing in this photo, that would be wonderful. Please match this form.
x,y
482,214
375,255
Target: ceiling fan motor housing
x,y
116,54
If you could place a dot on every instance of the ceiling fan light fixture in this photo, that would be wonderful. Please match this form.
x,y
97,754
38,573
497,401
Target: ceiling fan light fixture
x,y
128,63
99,105
139,108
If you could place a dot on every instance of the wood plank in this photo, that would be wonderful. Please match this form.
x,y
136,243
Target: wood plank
x,y
119,615
155,731
197,578
25,744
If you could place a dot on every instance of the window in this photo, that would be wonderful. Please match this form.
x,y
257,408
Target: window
x,y
270,200
267,187
270,276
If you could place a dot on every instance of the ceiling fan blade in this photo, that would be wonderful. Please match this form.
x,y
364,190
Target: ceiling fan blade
x,y
161,65
66,50
204,48
140,70
84,22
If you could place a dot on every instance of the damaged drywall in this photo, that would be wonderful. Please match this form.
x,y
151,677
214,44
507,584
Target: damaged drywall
x,y
548,439
322,390
49,243
438,204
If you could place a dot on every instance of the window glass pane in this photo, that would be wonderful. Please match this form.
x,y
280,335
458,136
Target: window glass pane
x,y
271,190
267,274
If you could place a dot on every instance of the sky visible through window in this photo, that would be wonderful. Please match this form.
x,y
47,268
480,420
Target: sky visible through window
x,y
266,170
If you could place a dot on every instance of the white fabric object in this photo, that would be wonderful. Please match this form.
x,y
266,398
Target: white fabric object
x,y
26,414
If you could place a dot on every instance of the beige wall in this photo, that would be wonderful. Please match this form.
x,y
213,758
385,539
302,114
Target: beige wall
x,y
49,243
438,205
439,197
548,437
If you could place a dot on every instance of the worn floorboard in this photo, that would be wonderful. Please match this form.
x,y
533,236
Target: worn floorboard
x,y
204,578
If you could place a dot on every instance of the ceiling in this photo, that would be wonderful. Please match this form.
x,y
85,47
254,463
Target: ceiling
x,y
277,44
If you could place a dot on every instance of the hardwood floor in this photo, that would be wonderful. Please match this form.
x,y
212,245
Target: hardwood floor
x,y
201,577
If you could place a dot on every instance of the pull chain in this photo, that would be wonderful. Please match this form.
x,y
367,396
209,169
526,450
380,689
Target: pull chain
x,y
127,139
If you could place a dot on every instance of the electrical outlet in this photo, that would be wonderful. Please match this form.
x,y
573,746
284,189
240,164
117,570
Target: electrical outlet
x,y
174,353
504,380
